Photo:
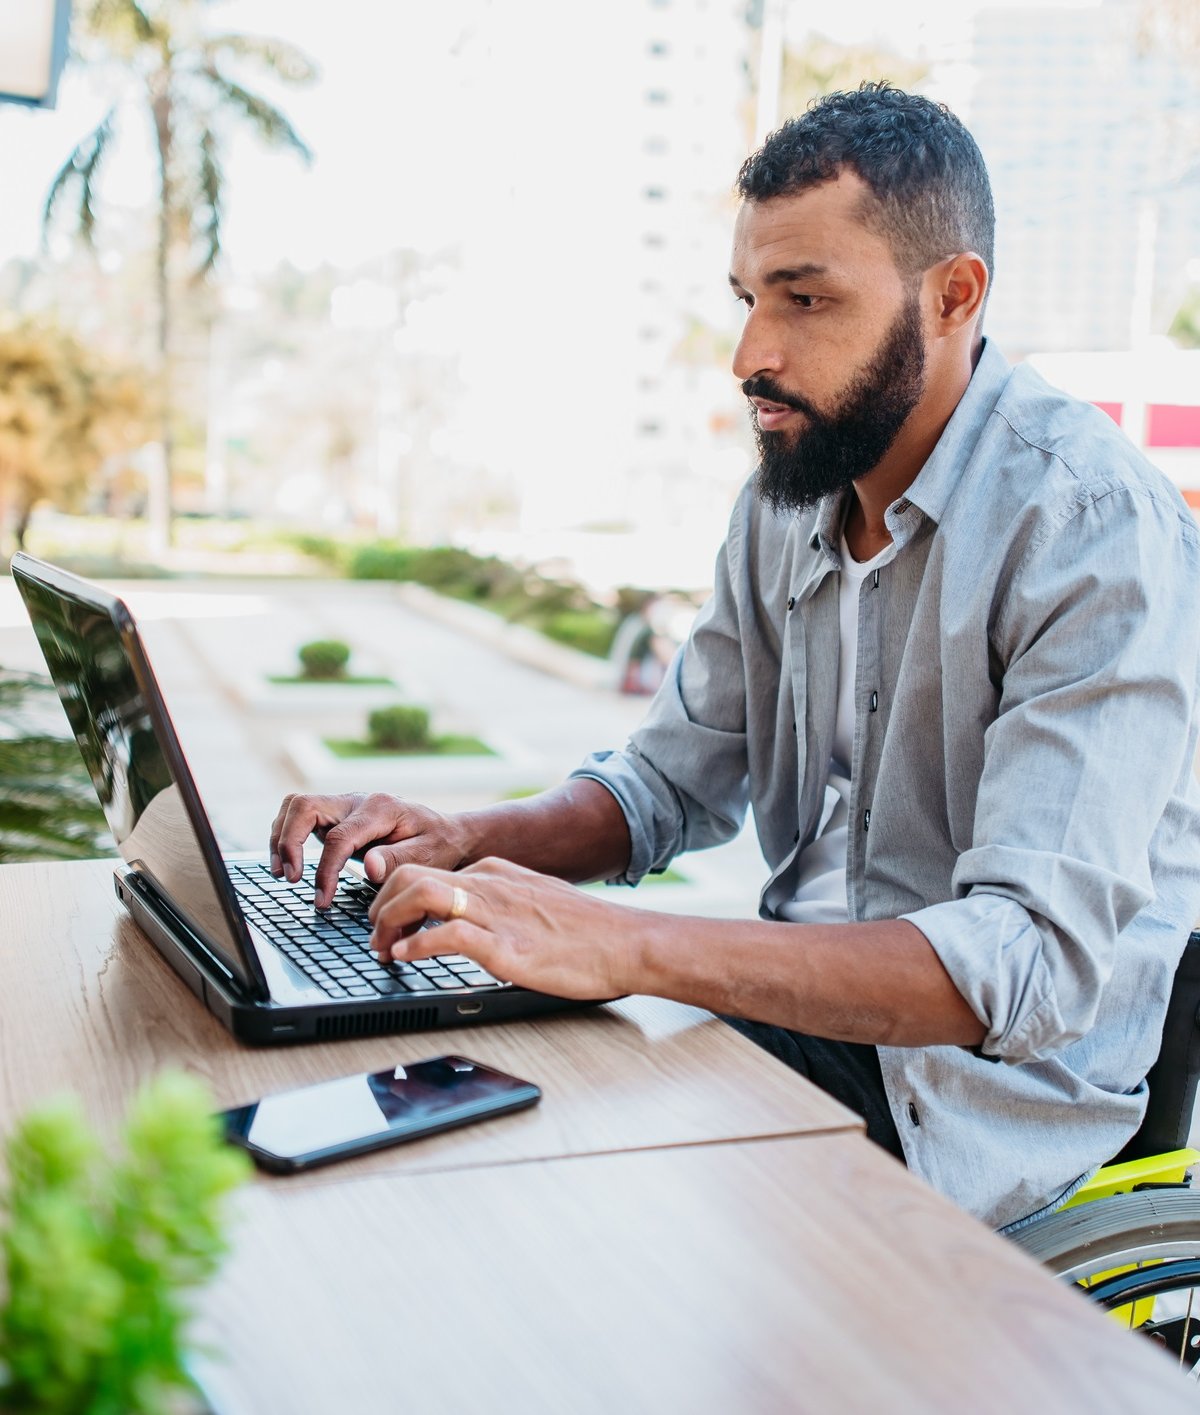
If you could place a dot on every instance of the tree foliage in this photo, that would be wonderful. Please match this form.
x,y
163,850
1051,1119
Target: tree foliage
x,y
48,809
186,84
63,410
819,66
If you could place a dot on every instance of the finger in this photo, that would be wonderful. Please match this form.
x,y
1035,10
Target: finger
x,y
370,820
276,831
298,817
459,936
412,895
381,861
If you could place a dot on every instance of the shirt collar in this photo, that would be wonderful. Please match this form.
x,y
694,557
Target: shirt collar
x,y
935,482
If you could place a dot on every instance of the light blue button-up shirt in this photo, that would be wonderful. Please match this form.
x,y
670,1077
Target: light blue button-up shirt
x,y
1022,789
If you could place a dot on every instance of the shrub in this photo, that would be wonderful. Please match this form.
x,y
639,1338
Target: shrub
x,y
590,630
399,728
381,560
324,658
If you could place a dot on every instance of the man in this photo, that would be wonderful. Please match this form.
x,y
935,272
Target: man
x,y
950,660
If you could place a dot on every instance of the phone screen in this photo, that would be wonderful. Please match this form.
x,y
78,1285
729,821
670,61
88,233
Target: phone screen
x,y
296,1129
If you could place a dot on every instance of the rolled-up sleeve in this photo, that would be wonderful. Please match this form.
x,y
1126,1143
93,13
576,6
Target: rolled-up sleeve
x,y
682,780
1097,650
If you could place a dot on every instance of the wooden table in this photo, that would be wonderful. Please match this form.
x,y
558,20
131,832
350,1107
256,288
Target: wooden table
x,y
810,1275
100,1012
682,1224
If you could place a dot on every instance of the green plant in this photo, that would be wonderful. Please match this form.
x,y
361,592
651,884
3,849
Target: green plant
x,y
380,560
399,728
48,808
590,630
324,658
100,1255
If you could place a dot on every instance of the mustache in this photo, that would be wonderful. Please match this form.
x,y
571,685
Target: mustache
x,y
762,387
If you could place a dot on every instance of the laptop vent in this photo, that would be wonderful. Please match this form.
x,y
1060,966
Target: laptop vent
x,y
416,1019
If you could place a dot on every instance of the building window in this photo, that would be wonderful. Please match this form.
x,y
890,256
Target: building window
x,y
654,193
657,95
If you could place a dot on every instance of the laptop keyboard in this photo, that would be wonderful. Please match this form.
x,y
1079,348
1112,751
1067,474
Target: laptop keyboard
x,y
330,947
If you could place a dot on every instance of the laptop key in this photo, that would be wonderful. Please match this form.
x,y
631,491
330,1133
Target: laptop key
x,y
389,987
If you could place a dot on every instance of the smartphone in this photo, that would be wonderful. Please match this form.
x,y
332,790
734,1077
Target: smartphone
x,y
333,1120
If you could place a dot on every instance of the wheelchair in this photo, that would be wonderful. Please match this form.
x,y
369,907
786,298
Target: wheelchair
x,y
1130,1238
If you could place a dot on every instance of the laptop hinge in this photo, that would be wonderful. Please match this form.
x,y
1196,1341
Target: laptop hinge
x,y
187,937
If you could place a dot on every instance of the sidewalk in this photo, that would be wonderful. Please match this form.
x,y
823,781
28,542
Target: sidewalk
x,y
210,640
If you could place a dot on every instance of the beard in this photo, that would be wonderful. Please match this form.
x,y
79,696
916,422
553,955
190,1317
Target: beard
x,y
835,449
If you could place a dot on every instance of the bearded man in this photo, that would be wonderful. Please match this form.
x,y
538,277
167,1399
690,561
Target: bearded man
x,y
950,662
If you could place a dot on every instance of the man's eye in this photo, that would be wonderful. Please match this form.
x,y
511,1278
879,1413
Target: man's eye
x,y
806,302
744,299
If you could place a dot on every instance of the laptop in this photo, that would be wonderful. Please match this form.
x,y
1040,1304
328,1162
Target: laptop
x,y
251,947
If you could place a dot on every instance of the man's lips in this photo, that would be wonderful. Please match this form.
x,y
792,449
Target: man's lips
x,y
771,416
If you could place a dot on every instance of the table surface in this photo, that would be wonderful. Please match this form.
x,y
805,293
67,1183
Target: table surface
x,y
102,1012
813,1275
682,1223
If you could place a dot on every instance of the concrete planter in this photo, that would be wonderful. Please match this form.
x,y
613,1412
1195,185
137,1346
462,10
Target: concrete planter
x,y
513,768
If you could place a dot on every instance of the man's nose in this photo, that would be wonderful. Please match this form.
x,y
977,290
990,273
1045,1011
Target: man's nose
x,y
757,350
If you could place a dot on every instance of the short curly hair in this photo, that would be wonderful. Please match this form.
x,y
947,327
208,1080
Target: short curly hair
x,y
930,188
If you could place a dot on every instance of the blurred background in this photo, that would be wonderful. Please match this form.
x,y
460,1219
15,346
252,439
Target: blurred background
x,y
434,298
456,273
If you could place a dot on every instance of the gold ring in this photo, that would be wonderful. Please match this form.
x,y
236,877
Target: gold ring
x,y
458,905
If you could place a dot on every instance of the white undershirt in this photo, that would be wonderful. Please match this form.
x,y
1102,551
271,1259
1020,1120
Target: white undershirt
x,y
820,896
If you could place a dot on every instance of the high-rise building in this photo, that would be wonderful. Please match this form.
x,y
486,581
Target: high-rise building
x,y
1080,121
596,270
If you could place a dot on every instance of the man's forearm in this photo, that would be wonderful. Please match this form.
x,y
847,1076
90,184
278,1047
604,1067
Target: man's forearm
x,y
576,832
879,983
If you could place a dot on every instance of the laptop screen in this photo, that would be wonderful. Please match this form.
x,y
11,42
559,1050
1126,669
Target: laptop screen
x,y
111,718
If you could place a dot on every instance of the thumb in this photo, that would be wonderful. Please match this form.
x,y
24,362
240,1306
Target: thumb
x,y
380,861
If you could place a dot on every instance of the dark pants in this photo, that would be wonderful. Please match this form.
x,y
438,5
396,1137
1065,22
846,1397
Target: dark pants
x,y
848,1071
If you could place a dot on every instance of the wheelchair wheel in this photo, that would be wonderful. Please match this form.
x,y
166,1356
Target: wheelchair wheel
x,y
1135,1255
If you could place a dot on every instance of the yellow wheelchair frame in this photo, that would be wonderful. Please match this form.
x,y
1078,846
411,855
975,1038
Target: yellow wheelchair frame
x,y
1130,1236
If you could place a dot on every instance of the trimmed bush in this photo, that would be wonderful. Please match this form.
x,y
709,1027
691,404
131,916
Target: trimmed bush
x,y
399,728
324,659
589,630
381,560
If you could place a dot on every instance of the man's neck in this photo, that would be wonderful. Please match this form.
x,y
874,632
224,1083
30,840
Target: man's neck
x,y
865,531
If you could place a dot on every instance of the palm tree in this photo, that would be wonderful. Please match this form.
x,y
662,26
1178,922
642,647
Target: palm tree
x,y
180,77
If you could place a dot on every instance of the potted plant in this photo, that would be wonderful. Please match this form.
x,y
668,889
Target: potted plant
x,y
102,1254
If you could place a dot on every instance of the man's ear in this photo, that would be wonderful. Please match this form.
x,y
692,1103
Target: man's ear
x,y
958,288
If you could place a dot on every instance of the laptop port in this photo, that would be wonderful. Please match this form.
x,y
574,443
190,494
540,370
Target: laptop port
x,y
469,1009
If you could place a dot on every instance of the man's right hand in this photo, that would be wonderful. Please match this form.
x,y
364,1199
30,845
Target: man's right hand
x,y
397,832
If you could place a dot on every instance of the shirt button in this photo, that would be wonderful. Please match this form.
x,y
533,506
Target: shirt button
x,y
874,702
912,1114
867,819
791,601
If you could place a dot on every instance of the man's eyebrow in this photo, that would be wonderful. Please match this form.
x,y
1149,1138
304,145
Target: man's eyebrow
x,y
787,274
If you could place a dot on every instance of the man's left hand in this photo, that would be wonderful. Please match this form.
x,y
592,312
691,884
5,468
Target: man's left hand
x,y
521,926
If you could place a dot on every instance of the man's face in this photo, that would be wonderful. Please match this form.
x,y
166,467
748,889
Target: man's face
x,y
832,357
